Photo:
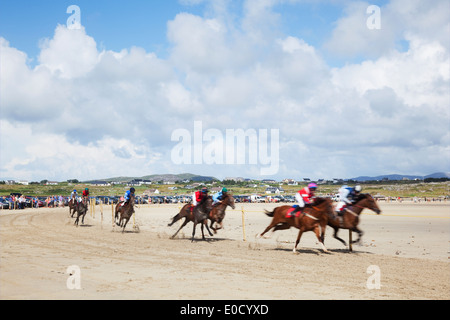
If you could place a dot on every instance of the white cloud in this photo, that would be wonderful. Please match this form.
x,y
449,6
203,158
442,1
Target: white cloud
x,y
111,113
70,53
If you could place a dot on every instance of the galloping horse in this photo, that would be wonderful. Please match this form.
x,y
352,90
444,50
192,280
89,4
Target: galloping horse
x,y
314,218
218,212
126,211
189,215
350,218
201,213
72,206
81,208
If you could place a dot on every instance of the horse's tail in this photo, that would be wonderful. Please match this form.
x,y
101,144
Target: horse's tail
x,y
175,218
269,213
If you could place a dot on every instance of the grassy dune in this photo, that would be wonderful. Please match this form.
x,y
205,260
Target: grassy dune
x,y
392,189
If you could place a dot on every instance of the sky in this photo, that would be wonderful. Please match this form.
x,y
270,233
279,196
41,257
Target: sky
x,y
263,89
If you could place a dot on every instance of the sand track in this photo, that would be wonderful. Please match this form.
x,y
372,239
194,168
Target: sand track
x,y
409,244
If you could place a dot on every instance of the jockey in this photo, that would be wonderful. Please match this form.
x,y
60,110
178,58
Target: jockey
x,y
304,197
199,196
74,195
218,197
346,196
127,196
86,193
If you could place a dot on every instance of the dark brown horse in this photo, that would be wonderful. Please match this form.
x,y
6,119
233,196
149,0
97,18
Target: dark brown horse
x,y
81,209
72,206
189,214
350,218
124,212
201,213
218,212
314,218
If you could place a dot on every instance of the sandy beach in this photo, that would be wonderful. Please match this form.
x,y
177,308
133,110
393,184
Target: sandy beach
x,y
409,245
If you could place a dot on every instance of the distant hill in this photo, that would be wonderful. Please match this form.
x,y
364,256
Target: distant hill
x,y
163,177
402,176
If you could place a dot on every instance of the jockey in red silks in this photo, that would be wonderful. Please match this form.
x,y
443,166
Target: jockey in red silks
x,y
85,194
198,196
304,197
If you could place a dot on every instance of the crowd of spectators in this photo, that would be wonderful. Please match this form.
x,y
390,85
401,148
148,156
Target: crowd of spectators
x,y
17,201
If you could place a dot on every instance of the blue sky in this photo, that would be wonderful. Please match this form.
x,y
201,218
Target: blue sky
x,y
118,24
115,24
108,97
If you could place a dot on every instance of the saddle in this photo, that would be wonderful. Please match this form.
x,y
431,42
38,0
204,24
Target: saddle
x,y
288,213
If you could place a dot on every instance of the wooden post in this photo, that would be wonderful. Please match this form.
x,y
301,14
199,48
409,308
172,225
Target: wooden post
x,y
350,247
101,213
243,223
112,214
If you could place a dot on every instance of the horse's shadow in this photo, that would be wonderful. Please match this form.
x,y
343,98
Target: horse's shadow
x,y
299,250
346,250
208,240
85,225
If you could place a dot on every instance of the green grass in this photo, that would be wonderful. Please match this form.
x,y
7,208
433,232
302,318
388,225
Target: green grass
x,y
391,189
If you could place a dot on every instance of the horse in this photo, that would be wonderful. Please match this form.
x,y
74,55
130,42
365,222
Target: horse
x,y
81,208
314,218
72,206
126,211
350,218
201,213
188,214
218,212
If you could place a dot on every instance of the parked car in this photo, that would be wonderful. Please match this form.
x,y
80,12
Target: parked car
x,y
4,204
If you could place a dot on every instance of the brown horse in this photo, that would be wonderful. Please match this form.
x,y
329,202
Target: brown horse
x,y
81,208
189,215
350,218
218,212
124,212
314,218
72,206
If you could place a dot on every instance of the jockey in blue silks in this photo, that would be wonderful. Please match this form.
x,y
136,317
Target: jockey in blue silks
x,y
218,197
128,195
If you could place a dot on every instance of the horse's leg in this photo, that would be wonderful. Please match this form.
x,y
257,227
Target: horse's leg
x,y
323,227
270,226
336,237
206,224
201,227
186,220
193,231
211,226
281,226
298,240
360,234
82,220
319,235
116,215
124,226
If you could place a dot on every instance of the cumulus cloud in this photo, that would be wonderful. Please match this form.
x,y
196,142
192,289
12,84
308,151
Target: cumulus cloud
x,y
106,113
